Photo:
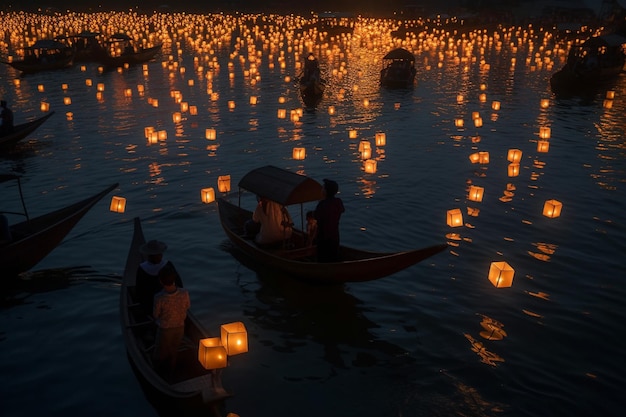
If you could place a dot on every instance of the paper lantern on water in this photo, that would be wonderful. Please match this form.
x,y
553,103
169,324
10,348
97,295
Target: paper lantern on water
x,y
184,106
177,117
364,144
69,115
331,110
231,105
514,155
459,98
211,353
210,134
478,122
162,134
67,101
607,104
282,113
513,170
483,157
381,139
366,153
128,92
474,158
100,87
153,137
352,134
501,274
234,338
459,122
40,88
544,103
299,154
495,105
610,94
118,204
207,195
455,218
552,208
223,183
476,193
543,146
253,100
369,166
544,132
193,110
482,97
45,106
88,82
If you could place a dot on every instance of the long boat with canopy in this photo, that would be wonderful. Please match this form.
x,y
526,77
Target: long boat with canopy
x,y
295,258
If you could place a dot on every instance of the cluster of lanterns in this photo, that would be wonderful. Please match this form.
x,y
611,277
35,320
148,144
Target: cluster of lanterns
x,y
213,352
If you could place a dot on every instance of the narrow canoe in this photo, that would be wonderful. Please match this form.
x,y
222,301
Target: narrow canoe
x,y
33,239
139,57
193,387
21,131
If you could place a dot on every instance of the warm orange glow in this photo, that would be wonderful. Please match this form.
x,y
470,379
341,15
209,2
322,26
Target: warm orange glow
x,y
366,153
552,208
352,134
476,193
610,95
381,139
211,353
495,105
459,122
370,166
128,92
234,338
282,113
299,154
207,195
162,134
455,218
544,132
67,101
364,144
223,183
231,104
177,117
253,100
88,82
40,88
210,134
607,104
513,170
543,146
45,106
331,110
514,155
483,157
193,110
545,103
69,115
118,204
478,122
184,106
475,158
100,87
501,274
459,98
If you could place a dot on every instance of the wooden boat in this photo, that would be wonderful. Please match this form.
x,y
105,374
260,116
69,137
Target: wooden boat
x,y
193,387
310,83
596,61
86,46
296,259
33,239
398,69
21,131
43,55
120,50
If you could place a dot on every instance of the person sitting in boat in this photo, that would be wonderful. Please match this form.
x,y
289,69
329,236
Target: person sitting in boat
x,y
6,118
311,68
170,311
275,223
147,281
311,228
328,212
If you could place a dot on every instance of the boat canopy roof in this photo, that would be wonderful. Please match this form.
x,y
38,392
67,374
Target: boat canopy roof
x,y
47,44
282,186
612,39
400,54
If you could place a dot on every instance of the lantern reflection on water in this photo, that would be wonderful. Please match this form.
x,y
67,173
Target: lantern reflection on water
x,y
501,274
513,170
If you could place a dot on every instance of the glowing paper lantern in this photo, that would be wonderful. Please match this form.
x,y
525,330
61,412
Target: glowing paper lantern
x,y
544,132
177,117
381,139
474,158
207,195
100,87
501,274
45,106
128,92
552,208
193,110
478,122
118,204
331,110
495,105
513,170
67,101
40,88
459,98
231,104
234,338
607,104
370,166
352,134
514,155
162,134
364,144
299,154
211,353
253,100
69,115
483,157
223,183
459,122
544,103
455,218
282,113
210,134
610,94
476,193
88,82
366,153
543,146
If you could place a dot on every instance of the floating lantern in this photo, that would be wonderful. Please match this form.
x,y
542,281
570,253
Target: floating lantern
x,y
543,146
234,338
364,144
118,204
67,101
16,82
552,208
193,110
610,94
513,170
366,153
190,83
155,102
459,122
88,82
64,86
352,134
100,87
45,106
544,103
475,115
366,102
128,93
281,99
381,139
370,166
483,157
501,274
153,138
210,134
184,107
69,115
476,193
455,218
514,155
147,131
40,88
177,117
331,110
495,105
231,104
299,154
253,100
478,122
282,113
544,132
474,158
223,183
607,104
482,97
459,98
162,134
207,195
211,353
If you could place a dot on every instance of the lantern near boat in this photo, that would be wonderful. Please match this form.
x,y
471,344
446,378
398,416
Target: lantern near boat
x,y
455,218
299,154
234,338
207,195
514,156
552,208
475,193
45,106
211,353
223,183
501,274
118,204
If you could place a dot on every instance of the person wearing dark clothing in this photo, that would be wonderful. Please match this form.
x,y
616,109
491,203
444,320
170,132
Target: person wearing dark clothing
x,y
327,213
6,118
147,281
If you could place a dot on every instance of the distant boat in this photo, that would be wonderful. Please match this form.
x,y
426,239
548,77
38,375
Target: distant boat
x,y
594,62
121,50
34,238
86,46
297,259
310,83
21,131
44,55
398,69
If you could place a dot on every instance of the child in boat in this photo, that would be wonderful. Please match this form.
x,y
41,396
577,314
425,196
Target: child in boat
x,y
311,228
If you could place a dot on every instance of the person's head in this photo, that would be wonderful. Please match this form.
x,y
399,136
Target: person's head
x,y
330,187
310,215
167,277
153,250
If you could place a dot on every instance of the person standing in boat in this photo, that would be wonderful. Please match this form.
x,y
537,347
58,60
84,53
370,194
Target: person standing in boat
x,y
327,213
275,223
170,311
6,118
147,281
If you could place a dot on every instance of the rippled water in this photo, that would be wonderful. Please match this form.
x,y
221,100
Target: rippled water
x,y
436,339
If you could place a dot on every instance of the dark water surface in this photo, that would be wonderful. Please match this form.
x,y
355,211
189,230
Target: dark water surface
x,y
437,339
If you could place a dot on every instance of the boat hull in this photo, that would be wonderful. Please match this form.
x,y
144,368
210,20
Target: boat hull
x,y
21,131
299,262
140,57
311,92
